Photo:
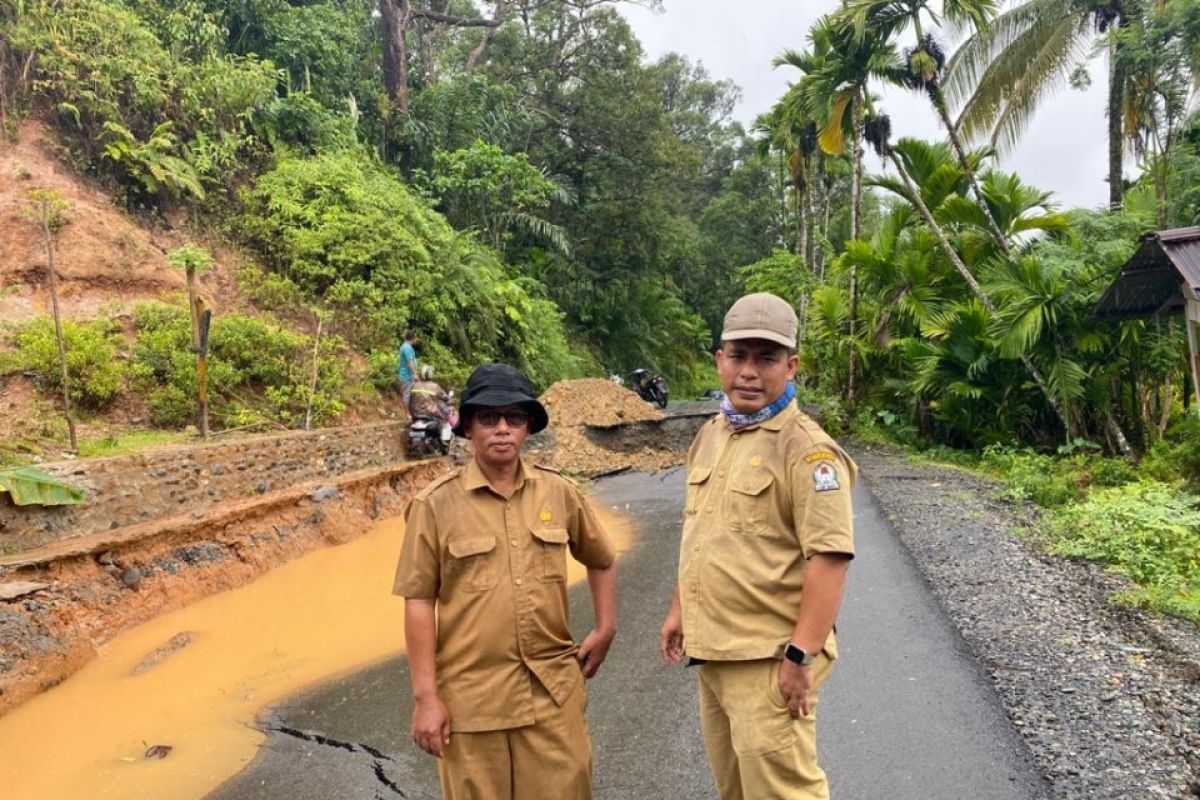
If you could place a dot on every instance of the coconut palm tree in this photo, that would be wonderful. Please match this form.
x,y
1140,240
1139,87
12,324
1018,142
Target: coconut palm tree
x,y
1002,73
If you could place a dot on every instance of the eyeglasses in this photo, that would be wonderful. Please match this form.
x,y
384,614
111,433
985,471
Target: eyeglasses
x,y
490,419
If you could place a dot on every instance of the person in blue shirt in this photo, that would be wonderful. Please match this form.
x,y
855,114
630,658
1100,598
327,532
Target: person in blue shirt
x,y
408,369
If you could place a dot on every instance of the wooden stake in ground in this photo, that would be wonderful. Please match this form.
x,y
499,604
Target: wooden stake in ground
x,y
193,260
51,207
312,382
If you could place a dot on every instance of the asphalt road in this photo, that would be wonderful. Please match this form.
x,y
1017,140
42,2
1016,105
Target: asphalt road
x,y
907,713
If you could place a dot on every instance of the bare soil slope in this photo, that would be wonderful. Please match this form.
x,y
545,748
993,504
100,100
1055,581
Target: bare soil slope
x,y
102,255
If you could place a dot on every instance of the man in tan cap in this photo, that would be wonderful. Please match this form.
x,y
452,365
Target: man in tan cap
x,y
497,679
767,540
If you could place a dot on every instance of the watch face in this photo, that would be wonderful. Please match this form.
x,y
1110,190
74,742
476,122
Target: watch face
x,y
797,656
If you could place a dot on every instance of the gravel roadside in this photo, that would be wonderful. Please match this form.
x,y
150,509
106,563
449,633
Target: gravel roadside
x,y
1108,698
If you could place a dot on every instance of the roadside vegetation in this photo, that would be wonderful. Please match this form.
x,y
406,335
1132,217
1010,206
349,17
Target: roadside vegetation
x,y
516,180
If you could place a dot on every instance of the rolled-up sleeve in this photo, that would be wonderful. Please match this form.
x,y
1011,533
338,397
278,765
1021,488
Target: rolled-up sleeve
x,y
419,571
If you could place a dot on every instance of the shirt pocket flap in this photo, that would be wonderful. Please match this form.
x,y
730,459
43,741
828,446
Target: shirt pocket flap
x,y
753,484
464,548
552,535
699,474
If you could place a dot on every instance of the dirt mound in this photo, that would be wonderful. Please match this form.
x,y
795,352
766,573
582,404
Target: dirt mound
x,y
595,401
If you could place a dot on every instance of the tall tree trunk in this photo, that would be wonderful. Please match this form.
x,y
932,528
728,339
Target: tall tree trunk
x,y
394,18
1116,134
819,200
939,104
855,232
52,279
976,289
801,244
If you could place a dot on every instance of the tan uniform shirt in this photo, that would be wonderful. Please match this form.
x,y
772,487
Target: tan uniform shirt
x,y
760,502
497,569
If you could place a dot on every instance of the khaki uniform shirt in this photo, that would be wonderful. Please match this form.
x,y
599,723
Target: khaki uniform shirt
x,y
497,569
760,502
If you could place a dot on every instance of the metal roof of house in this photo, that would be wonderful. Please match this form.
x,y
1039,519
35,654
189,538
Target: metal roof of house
x,y
1154,280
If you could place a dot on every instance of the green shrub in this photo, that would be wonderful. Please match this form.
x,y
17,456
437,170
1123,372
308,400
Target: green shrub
x,y
1177,455
1030,476
96,370
349,235
256,370
1149,531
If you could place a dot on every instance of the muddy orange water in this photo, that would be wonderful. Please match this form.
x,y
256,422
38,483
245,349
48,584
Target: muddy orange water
x,y
325,613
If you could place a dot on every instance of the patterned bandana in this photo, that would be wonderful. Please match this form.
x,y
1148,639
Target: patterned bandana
x,y
739,421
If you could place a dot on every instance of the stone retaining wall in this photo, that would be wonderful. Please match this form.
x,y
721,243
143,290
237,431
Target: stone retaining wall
x,y
126,490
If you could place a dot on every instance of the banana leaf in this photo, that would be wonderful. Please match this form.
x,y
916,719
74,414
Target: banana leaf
x,y
30,486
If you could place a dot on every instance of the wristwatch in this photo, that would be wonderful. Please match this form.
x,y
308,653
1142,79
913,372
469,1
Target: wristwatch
x,y
797,655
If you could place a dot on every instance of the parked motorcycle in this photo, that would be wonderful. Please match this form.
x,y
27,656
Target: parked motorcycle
x,y
650,386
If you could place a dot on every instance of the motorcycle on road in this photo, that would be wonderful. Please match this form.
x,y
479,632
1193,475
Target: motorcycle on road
x,y
650,386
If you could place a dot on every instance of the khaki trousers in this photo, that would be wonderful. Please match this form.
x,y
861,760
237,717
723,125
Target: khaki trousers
x,y
549,760
756,750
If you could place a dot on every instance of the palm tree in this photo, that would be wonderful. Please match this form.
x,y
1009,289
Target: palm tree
x,y
1003,72
910,156
834,92
924,64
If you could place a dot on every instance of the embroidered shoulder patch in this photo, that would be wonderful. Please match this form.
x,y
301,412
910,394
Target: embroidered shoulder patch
x,y
825,478
820,455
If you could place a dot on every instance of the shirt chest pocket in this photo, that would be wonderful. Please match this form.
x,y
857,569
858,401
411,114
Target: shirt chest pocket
x,y
697,480
550,554
472,563
750,499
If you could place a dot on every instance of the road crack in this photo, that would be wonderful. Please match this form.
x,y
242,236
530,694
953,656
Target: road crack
x,y
377,757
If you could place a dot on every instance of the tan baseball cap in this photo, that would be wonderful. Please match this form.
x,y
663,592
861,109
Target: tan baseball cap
x,y
761,316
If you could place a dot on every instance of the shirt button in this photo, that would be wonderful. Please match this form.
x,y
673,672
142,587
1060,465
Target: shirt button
x,y
513,542
696,548
708,510
735,436
721,474
518,581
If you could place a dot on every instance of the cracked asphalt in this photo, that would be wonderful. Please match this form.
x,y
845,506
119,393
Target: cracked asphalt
x,y
908,713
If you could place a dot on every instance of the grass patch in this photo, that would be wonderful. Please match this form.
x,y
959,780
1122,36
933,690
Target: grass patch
x,y
120,445
1148,531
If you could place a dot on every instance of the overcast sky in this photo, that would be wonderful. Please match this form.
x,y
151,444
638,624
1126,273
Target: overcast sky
x,y
1064,149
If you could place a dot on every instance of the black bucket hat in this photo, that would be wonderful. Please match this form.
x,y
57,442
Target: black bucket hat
x,y
497,385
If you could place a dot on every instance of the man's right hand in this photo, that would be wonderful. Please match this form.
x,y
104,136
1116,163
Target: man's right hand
x,y
431,725
670,637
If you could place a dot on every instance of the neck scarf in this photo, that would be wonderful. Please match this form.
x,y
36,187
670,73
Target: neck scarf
x,y
739,421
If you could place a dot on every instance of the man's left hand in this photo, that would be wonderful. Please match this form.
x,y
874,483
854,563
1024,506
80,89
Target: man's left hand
x,y
795,684
593,651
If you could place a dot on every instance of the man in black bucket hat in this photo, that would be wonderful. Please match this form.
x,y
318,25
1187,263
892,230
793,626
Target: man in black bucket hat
x,y
497,680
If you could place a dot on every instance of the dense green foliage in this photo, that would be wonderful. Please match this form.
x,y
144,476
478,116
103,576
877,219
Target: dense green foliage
x,y
257,371
1148,531
353,237
96,373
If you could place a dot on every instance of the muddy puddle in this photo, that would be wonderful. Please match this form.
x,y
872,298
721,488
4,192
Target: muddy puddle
x,y
195,680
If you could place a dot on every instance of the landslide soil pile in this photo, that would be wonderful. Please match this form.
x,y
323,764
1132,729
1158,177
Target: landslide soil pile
x,y
594,401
